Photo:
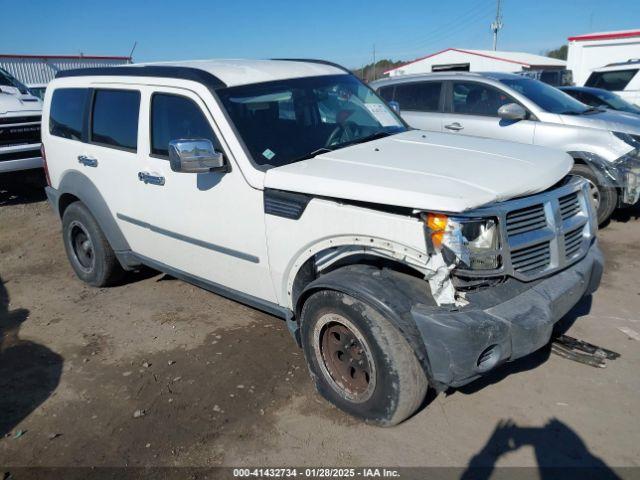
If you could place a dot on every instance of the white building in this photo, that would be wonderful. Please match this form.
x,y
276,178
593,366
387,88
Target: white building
x,y
595,50
477,61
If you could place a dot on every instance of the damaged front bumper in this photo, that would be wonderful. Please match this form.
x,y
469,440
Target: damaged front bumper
x,y
502,323
622,174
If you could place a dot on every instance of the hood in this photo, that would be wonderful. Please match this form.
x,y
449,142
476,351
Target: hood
x,y
426,171
611,120
12,101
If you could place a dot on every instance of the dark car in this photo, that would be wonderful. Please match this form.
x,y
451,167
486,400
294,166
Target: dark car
x,y
598,97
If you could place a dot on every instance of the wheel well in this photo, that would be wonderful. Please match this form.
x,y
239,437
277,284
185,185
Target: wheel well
x,y
66,199
307,273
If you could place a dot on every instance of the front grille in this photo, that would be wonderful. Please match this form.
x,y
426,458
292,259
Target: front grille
x,y
19,134
25,119
569,205
19,155
573,242
541,233
526,220
534,258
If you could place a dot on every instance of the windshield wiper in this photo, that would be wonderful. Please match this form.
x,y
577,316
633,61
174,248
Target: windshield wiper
x,y
368,138
592,110
307,156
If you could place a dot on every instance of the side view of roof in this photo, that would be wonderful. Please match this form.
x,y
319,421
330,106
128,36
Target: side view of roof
x,y
519,58
443,76
220,73
605,36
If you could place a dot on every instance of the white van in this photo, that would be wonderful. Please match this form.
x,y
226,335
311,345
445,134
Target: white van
x,y
20,114
400,259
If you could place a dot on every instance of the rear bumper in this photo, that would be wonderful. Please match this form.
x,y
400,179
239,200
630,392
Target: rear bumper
x,y
508,322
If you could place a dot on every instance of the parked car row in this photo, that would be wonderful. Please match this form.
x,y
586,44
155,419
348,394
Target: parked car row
x,y
604,144
399,258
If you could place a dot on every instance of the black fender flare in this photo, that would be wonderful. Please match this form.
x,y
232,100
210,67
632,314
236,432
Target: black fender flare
x,y
81,187
391,293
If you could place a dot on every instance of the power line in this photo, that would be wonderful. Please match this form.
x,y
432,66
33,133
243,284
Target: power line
x,y
478,8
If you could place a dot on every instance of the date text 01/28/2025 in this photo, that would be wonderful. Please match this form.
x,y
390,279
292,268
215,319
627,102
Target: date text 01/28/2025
x,y
315,473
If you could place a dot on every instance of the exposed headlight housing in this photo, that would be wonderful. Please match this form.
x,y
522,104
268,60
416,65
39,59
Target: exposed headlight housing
x,y
473,243
628,168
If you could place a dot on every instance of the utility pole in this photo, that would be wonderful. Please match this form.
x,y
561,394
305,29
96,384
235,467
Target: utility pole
x,y
496,26
374,62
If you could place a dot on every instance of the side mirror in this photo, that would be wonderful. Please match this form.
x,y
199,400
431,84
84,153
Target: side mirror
x,y
512,111
395,106
195,156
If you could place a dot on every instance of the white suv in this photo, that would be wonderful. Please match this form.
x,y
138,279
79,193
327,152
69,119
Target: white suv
x,y
399,258
20,115
622,78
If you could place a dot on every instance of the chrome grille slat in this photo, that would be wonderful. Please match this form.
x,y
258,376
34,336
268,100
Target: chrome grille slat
x,y
526,220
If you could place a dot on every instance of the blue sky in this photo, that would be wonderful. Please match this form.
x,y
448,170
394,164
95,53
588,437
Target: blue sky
x,y
341,31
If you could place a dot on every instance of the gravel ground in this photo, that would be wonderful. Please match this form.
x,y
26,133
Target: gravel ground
x,y
156,372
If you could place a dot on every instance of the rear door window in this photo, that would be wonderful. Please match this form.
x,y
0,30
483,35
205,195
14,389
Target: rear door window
x,y
472,98
67,112
419,97
612,81
174,117
114,120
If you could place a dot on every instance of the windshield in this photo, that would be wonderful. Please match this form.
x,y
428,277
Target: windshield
x,y
548,98
616,102
7,80
286,121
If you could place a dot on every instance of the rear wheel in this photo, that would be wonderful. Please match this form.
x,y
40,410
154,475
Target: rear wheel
x,y
604,198
359,361
87,248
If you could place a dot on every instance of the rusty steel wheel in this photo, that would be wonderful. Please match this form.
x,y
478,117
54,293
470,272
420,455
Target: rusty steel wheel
x,y
346,360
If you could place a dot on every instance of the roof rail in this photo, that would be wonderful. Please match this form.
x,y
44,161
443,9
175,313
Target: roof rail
x,y
184,73
631,60
313,60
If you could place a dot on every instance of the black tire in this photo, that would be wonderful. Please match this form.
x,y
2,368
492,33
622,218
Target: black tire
x,y
87,248
395,383
606,198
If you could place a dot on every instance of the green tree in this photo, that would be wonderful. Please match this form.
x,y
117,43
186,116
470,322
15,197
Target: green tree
x,y
560,53
366,72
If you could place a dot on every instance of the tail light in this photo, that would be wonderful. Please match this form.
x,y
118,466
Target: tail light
x,y
44,164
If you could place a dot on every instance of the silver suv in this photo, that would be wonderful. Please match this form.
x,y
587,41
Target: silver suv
x,y
605,145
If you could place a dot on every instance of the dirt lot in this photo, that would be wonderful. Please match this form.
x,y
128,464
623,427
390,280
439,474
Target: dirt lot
x,y
217,383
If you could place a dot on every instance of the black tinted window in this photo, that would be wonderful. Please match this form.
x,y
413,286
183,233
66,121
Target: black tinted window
x,y
115,118
421,97
477,99
173,118
612,81
386,93
66,113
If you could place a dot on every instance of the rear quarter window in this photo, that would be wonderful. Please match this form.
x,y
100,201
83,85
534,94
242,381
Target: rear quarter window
x,y
114,120
67,112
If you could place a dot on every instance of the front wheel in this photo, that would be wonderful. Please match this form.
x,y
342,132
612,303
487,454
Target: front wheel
x,y
359,361
604,198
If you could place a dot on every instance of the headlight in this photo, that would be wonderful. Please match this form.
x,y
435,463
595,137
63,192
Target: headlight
x,y
628,167
629,139
474,242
